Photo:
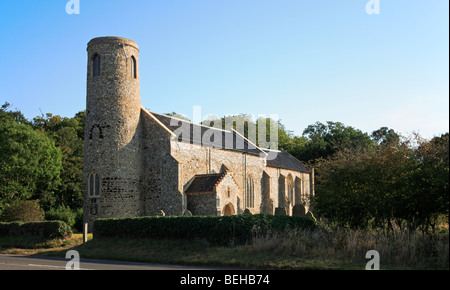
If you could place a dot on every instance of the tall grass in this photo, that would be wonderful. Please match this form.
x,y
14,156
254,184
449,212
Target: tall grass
x,y
397,249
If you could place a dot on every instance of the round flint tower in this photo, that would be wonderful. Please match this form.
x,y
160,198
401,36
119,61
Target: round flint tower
x,y
111,147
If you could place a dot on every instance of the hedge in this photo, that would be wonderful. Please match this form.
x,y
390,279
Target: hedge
x,y
223,230
46,230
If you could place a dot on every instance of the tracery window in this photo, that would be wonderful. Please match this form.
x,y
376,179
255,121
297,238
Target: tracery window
x,y
94,185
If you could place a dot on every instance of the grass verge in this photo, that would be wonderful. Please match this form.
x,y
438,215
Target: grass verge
x,y
331,249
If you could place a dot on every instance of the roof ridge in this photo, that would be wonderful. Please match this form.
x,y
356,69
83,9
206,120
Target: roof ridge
x,y
149,113
190,122
229,135
249,141
205,174
295,158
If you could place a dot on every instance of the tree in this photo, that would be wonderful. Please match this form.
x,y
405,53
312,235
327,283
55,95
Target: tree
x,y
30,163
67,134
385,136
327,139
430,181
15,115
24,211
376,186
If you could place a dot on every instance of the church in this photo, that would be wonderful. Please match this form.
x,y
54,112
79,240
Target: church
x,y
142,163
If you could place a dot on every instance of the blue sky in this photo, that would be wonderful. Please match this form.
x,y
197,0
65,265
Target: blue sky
x,y
304,60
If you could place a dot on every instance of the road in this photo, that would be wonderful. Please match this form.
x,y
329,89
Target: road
x,y
12,262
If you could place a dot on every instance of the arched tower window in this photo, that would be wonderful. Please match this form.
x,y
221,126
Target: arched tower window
x,y
96,132
133,67
94,185
249,193
96,65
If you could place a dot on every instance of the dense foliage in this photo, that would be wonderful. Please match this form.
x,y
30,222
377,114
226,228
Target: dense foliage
x,y
23,211
41,160
396,182
30,163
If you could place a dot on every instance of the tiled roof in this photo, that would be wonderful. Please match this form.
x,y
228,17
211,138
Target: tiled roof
x,y
286,161
228,140
205,183
208,136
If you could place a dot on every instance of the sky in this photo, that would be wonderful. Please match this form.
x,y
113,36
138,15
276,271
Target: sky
x,y
304,61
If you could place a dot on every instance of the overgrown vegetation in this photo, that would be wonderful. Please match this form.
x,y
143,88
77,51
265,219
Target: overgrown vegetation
x,y
398,249
394,183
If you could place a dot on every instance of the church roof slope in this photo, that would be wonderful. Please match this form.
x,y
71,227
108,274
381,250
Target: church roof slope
x,y
285,160
205,183
208,136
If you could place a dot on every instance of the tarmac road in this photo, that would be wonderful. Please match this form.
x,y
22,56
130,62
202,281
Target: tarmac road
x,y
12,262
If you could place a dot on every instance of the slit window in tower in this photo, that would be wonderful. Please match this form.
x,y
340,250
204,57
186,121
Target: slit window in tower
x,y
96,62
133,67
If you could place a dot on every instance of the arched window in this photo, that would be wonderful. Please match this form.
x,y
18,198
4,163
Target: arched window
x,y
249,193
96,65
290,189
96,132
133,67
298,184
94,185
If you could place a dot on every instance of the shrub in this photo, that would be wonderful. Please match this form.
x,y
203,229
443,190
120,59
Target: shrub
x,y
62,213
216,230
45,230
24,211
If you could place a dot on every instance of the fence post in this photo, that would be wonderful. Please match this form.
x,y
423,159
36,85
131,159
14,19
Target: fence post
x,y
85,233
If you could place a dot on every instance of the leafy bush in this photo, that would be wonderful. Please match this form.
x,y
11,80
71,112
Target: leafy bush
x,y
62,213
24,211
216,230
46,230
399,183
